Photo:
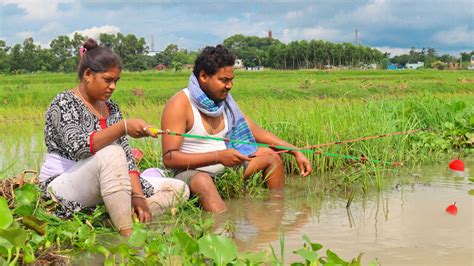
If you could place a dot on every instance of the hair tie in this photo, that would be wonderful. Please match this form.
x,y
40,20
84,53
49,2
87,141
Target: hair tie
x,y
82,51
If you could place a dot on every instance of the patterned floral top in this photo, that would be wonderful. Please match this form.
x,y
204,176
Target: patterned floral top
x,y
70,128
69,133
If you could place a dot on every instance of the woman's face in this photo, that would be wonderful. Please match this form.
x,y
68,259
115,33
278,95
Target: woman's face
x,y
101,85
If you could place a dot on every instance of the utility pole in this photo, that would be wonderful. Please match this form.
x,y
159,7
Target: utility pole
x,y
356,37
152,43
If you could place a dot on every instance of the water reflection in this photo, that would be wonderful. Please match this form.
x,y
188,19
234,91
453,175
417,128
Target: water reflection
x,y
254,224
403,225
19,153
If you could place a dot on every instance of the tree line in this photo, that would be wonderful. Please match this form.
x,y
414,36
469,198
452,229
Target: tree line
x,y
63,54
429,56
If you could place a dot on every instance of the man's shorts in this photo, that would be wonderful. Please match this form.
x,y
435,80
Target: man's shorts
x,y
187,175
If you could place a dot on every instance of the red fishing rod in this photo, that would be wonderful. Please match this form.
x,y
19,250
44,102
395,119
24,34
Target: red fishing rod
x,y
317,146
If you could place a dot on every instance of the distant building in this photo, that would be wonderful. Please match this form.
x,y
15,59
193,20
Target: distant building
x,y
239,63
415,65
392,66
453,65
160,67
472,60
270,35
152,53
255,68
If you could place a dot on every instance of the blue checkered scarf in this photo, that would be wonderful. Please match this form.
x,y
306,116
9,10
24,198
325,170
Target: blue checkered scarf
x,y
238,127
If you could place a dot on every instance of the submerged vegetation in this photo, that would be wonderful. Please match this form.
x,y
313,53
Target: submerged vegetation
x,y
303,107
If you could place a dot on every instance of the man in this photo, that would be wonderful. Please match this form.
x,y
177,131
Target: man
x,y
207,108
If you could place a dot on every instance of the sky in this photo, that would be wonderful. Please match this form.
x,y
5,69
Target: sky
x,y
390,25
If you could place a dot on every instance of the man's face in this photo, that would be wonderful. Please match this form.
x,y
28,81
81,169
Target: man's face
x,y
217,86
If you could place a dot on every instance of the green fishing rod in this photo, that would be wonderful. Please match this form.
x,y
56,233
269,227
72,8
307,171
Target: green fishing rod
x,y
288,149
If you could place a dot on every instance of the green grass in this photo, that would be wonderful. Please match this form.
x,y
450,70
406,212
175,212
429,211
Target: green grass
x,y
303,107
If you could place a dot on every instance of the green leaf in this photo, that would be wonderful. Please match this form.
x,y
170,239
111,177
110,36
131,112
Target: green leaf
x,y
90,241
314,246
471,192
309,255
138,237
218,248
471,121
471,179
154,246
29,254
17,237
333,258
189,245
5,245
254,258
6,217
83,232
25,199
458,106
102,250
449,125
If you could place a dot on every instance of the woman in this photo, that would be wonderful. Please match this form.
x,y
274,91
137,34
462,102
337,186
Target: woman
x,y
89,160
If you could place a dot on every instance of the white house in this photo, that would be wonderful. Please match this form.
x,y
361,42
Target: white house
x,y
239,63
415,66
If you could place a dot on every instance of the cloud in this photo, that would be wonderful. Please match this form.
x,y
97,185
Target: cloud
x,y
460,35
94,32
41,36
311,33
25,34
37,9
394,51
374,11
392,24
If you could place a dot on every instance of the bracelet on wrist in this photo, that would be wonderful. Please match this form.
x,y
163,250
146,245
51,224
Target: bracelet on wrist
x,y
125,125
138,196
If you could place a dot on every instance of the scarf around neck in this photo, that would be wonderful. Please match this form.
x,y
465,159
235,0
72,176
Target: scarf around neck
x,y
238,127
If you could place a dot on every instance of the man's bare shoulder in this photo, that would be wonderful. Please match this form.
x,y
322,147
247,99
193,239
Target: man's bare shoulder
x,y
178,100
177,106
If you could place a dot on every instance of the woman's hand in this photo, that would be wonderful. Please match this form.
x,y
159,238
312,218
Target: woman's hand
x,y
137,128
141,208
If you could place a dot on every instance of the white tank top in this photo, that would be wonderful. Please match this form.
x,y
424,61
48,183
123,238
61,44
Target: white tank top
x,y
191,145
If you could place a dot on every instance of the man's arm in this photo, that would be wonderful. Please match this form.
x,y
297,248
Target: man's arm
x,y
174,119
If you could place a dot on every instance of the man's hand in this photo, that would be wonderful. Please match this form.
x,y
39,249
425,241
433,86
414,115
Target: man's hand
x,y
141,208
230,157
303,163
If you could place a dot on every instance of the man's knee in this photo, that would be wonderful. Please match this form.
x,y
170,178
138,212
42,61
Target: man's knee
x,y
201,182
273,157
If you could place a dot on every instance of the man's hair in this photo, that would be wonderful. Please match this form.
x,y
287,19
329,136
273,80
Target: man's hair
x,y
213,58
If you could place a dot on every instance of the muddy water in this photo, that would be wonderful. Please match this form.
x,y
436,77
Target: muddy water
x,y
402,225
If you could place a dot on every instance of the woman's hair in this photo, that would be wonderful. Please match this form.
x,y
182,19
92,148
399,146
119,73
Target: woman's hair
x,y
213,58
97,58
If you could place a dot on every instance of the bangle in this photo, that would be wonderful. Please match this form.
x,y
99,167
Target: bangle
x,y
138,196
125,124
